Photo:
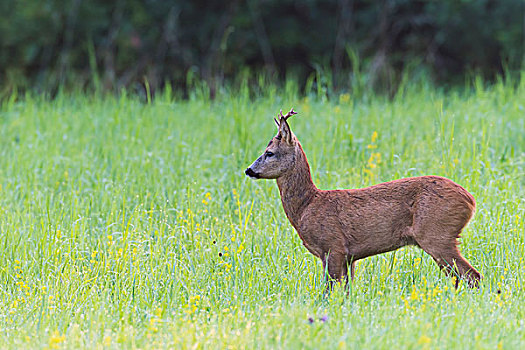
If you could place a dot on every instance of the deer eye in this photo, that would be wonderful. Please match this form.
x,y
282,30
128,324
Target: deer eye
x,y
268,154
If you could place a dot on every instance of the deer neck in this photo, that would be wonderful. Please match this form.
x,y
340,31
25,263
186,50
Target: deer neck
x,y
297,188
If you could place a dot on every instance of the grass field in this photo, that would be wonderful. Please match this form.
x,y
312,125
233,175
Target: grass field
x,y
131,224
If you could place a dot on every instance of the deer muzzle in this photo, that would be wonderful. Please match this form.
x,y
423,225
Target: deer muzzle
x,y
252,173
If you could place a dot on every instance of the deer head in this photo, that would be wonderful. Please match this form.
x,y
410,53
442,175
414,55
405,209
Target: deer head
x,y
279,156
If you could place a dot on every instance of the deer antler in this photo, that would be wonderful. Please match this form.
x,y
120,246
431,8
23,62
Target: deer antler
x,y
288,115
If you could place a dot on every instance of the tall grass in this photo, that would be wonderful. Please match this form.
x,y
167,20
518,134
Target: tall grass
x,y
130,224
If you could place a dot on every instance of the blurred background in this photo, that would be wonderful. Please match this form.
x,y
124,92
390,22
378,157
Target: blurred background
x,y
48,45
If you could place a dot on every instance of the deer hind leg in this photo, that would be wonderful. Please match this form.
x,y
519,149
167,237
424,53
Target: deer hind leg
x,y
454,264
437,232
446,254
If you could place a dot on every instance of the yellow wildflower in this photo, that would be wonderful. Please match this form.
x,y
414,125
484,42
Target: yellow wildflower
x,y
344,98
107,340
424,340
56,339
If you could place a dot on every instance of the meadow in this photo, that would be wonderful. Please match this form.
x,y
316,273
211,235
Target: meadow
x,y
130,224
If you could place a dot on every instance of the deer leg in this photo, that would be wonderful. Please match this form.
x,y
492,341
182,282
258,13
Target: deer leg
x,y
335,269
450,260
458,265
438,237
352,270
350,263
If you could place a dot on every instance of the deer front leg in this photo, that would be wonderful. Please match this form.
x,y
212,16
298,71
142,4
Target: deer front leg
x,y
335,269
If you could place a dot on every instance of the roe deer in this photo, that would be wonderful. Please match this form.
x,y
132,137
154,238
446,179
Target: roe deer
x,y
343,226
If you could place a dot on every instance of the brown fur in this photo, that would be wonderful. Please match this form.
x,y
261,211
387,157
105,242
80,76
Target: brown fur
x,y
343,226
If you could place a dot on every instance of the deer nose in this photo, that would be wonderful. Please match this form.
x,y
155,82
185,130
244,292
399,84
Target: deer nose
x,y
251,173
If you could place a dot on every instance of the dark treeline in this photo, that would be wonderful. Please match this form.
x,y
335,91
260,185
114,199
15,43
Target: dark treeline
x,y
112,44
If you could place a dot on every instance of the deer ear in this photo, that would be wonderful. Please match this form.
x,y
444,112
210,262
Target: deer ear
x,y
277,123
285,131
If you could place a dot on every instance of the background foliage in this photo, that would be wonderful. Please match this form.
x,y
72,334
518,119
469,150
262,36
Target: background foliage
x,y
52,43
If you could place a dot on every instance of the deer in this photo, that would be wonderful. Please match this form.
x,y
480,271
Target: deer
x,y
341,227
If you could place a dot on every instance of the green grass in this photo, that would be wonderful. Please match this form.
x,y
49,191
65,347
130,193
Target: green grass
x,y
124,224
